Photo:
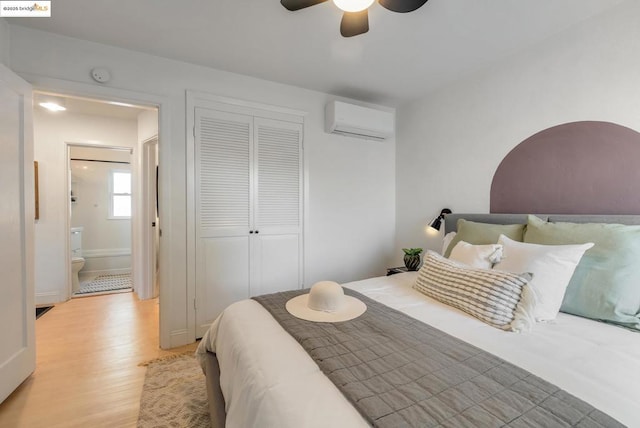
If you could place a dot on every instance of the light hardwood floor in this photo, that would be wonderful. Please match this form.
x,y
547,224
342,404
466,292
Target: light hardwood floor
x,y
87,372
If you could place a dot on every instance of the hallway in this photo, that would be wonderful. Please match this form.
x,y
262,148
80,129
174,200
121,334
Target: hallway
x,y
87,373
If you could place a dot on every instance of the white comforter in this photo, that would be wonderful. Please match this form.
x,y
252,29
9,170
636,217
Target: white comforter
x,y
268,380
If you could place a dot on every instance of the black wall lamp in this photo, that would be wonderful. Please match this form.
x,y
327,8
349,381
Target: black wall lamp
x,y
437,222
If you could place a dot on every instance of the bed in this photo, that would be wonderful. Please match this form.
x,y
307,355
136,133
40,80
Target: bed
x,y
259,376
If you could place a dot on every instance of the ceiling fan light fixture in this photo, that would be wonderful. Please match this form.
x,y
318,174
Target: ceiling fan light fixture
x,y
355,19
353,5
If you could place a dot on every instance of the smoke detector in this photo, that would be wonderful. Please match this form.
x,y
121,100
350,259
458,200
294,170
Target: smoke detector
x,y
101,75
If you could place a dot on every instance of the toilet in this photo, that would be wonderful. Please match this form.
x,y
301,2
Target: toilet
x,y
77,262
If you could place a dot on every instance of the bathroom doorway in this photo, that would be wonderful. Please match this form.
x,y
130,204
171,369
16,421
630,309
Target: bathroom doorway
x,y
100,219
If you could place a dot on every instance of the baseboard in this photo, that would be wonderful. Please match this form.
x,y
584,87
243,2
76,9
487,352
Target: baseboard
x,y
86,273
47,298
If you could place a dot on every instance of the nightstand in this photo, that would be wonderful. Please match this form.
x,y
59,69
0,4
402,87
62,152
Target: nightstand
x,y
395,270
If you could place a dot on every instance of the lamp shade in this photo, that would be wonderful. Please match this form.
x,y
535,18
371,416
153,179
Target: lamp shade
x,y
437,222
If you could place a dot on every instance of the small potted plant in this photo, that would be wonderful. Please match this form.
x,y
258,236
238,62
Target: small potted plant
x,y
412,258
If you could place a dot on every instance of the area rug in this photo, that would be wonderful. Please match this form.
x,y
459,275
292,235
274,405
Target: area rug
x,y
174,394
104,283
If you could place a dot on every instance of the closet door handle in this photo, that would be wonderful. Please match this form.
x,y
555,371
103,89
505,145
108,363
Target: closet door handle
x,y
257,231
251,231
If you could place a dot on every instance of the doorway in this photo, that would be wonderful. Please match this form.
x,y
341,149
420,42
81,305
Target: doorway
x,y
100,219
98,135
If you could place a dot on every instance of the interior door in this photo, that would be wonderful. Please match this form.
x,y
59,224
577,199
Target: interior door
x,y
17,310
149,289
277,238
224,182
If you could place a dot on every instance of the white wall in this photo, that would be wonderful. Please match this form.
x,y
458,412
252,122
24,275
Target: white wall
x,y
147,125
350,183
4,42
51,133
451,142
106,242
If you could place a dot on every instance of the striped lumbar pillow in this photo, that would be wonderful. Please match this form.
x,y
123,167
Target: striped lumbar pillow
x,y
501,299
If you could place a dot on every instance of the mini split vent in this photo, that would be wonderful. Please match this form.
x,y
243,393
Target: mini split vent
x,y
359,122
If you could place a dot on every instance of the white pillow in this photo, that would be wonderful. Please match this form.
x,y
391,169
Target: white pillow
x,y
446,241
478,256
551,265
501,299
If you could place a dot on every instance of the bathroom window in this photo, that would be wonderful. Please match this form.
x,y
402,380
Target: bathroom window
x,y
119,194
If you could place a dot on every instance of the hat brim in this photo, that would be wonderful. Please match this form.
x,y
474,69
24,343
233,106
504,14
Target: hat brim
x,y
352,308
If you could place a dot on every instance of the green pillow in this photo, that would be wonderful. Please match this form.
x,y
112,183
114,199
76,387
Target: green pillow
x,y
484,233
606,283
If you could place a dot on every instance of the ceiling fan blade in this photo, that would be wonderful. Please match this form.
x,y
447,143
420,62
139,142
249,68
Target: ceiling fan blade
x,y
354,23
300,4
402,6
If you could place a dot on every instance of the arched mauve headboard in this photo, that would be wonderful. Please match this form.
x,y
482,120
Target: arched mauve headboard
x,y
574,168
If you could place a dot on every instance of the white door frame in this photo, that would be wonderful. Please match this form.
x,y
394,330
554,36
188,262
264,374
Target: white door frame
x,y
148,288
66,87
68,145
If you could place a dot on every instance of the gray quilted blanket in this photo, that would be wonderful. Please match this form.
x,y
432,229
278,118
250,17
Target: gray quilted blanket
x,y
400,372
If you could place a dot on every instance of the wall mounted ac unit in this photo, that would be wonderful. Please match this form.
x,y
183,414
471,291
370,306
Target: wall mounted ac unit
x,y
360,122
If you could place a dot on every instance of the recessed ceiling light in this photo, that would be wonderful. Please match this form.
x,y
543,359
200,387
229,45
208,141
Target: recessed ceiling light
x,y
52,106
51,102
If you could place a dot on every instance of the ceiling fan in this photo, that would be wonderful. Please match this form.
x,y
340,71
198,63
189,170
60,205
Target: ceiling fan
x,y
355,19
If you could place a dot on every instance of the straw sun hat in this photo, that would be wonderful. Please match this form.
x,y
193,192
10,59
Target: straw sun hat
x,y
326,302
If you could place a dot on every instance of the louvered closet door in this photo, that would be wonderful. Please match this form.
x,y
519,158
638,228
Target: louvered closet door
x,y
224,182
277,243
